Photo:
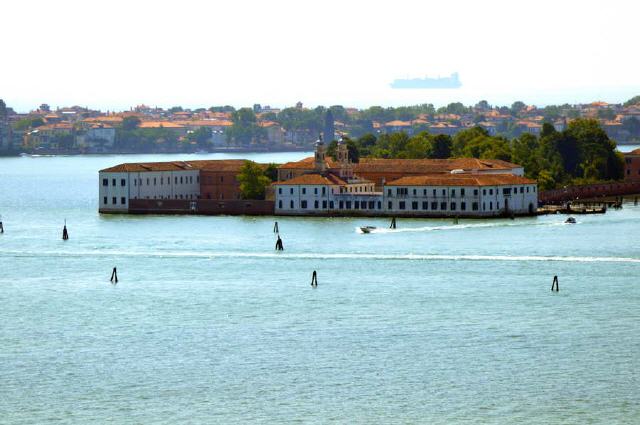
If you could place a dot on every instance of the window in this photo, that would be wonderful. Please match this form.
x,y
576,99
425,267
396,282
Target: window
x,y
443,206
331,204
425,205
324,190
491,205
341,204
534,188
434,192
474,206
123,200
135,181
356,205
280,204
527,189
324,205
221,179
303,204
316,204
484,191
190,179
291,191
104,200
414,192
388,192
372,205
154,181
180,180
175,180
424,192
379,205
123,182
304,190
147,181
113,182
401,205
315,190
105,182
279,191
348,205
506,191
490,191
522,189
453,193
444,192
414,205
390,205
461,192
197,179
453,206
434,205
463,206
291,204
475,192
114,200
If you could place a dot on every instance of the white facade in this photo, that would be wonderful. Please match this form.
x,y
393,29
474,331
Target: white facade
x,y
407,200
117,188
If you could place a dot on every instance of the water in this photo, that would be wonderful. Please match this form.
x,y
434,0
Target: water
x,y
430,323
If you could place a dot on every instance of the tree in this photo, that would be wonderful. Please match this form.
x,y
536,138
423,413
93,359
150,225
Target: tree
x,y
271,172
441,146
27,123
202,136
3,110
245,128
130,123
517,107
253,182
175,109
635,100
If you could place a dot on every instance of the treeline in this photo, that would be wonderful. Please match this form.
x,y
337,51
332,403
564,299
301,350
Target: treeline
x,y
583,153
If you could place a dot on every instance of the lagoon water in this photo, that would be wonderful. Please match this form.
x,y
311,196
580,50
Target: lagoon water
x,y
430,323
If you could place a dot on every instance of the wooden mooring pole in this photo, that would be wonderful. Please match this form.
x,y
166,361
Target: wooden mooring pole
x,y
554,285
114,276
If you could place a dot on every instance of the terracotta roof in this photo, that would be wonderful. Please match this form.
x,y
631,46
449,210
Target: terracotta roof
x,y
205,165
429,166
633,152
398,123
106,118
204,123
56,126
462,180
159,124
314,179
307,164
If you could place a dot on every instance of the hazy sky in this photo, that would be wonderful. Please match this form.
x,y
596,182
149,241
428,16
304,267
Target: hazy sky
x,y
114,54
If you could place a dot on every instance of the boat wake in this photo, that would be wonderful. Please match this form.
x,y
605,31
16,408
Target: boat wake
x,y
322,256
379,230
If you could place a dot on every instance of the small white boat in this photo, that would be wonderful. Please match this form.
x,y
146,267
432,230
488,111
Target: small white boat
x,y
570,220
367,229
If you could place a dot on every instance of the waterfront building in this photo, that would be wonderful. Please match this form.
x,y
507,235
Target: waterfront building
x,y
391,187
177,180
632,165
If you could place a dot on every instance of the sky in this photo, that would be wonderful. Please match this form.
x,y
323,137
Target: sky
x,y
115,54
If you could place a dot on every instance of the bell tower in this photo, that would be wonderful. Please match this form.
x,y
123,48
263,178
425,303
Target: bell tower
x,y
342,155
319,162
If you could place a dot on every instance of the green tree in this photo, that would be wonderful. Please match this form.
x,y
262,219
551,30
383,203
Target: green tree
x,y
27,123
441,146
245,128
253,182
130,123
517,107
635,100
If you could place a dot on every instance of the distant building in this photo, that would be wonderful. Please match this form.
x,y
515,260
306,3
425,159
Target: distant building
x,y
632,165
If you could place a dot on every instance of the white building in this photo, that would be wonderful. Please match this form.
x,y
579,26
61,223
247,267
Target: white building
x,y
457,193
160,180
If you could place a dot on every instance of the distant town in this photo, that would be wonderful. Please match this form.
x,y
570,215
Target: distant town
x,y
146,129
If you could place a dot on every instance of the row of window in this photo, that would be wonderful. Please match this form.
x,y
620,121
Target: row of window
x,y
403,191
154,180
402,205
304,190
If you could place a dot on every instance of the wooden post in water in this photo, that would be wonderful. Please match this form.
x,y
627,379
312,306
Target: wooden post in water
x,y
65,234
275,228
554,285
393,223
1,227
114,276
279,246
314,279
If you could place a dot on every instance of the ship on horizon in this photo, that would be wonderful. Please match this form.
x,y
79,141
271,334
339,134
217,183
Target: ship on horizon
x,y
450,82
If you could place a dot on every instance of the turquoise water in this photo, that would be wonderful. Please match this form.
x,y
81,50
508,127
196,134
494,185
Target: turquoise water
x,y
431,323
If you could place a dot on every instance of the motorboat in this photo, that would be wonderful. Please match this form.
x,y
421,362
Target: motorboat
x,y
570,220
367,229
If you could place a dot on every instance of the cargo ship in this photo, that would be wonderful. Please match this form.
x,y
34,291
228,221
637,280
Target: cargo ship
x,y
450,82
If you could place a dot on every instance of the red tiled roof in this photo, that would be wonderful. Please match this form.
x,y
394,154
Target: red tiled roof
x,y
307,164
205,165
314,179
462,180
429,166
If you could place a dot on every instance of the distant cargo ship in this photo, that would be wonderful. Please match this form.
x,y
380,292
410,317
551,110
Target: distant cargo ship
x,y
451,82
